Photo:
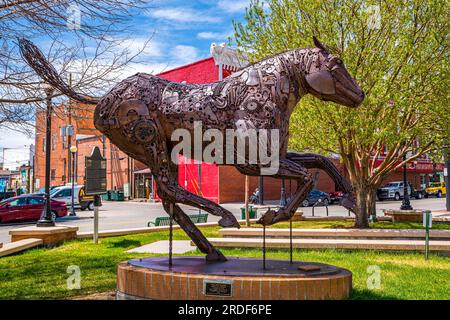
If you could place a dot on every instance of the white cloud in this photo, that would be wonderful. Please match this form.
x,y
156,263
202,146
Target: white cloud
x,y
233,6
214,35
14,139
151,68
180,14
184,54
151,48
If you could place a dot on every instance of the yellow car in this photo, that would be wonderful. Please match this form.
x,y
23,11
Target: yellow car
x,y
435,189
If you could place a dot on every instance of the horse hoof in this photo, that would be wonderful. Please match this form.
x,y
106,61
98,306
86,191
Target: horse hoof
x,y
229,221
267,218
216,255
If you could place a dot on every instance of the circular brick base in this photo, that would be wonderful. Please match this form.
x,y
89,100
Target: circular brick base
x,y
151,278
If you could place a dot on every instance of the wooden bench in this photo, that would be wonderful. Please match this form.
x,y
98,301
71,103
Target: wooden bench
x,y
165,221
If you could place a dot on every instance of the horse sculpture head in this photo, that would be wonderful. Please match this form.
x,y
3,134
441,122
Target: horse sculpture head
x,y
328,80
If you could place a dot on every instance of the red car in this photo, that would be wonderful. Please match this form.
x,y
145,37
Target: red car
x,y
28,207
336,196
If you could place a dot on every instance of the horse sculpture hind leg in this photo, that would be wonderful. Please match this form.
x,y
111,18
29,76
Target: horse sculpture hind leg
x,y
317,161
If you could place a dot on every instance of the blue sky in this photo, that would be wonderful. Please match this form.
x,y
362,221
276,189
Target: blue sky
x,y
181,32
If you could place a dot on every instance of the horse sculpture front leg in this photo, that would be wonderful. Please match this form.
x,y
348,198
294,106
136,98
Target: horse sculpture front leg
x,y
212,254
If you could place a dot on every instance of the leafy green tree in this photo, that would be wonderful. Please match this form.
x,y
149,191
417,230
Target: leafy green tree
x,y
397,51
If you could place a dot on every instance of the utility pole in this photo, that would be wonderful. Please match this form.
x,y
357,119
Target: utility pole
x,y
69,137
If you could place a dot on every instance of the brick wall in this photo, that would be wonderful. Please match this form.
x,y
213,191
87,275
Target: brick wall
x,y
59,152
232,185
83,124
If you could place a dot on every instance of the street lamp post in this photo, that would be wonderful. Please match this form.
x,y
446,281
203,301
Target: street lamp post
x,y
73,150
283,201
406,205
46,216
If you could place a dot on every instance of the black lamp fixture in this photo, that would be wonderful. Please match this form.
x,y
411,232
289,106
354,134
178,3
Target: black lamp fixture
x,y
406,205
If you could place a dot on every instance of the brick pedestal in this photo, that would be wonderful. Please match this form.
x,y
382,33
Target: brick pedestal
x,y
135,282
49,235
405,215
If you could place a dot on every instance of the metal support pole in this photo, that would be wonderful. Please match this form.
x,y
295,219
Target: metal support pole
x,y
170,235
264,247
447,178
406,205
96,205
246,190
46,217
199,168
153,187
290,239
427,231
72,206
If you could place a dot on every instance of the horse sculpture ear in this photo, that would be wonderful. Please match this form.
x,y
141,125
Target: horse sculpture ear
x,y
321,82
319,44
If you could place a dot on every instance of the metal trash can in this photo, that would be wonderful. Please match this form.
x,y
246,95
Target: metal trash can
x,y
251,212
106,196
120,196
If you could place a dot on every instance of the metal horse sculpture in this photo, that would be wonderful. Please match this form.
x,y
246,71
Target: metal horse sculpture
x,y
140,113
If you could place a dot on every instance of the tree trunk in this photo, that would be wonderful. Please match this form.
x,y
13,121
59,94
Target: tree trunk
x,y
371,199
361,208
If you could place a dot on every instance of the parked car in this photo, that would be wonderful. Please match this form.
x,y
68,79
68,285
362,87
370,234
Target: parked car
x,y
394,191
316,195
7,194
437,189
336,196
41,191
81,201
28,207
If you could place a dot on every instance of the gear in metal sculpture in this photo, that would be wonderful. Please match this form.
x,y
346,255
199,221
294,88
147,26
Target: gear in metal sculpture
x,y
140,113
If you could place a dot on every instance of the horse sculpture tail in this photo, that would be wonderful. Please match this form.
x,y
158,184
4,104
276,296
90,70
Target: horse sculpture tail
x,y
36,60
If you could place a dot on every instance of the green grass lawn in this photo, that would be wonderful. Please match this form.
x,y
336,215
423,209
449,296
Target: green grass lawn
x,y
42,273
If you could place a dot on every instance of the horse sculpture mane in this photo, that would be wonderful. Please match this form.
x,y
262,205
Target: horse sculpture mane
x,y
140,114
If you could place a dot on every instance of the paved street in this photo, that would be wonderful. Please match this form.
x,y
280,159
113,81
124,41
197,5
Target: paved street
x,y
119,215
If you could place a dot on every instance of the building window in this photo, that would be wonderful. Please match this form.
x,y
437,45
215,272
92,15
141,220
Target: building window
x,y
64,142
43,145
53,174
64,168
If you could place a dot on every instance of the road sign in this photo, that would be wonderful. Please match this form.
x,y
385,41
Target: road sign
x,y
95,173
